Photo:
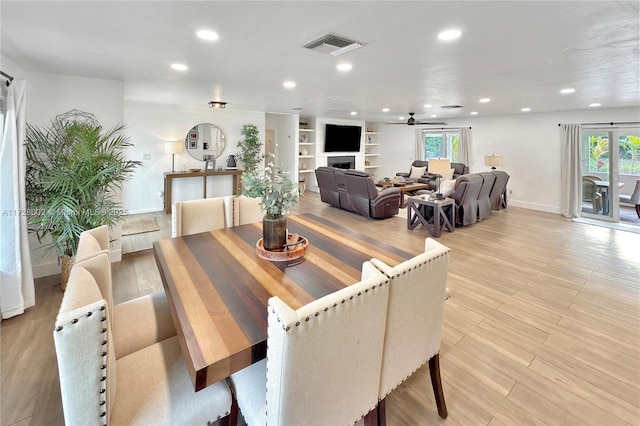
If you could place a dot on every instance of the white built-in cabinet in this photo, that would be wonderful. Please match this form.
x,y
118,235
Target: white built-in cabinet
x,y
371,148
306,149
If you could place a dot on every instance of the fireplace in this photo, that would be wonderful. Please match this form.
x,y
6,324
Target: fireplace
x,y
342,162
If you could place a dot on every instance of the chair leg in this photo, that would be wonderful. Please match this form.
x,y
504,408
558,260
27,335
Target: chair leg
x,y
436,382
382,413
232,418
638,210
371,418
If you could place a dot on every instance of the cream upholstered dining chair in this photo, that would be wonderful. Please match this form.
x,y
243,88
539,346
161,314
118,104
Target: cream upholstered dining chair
x,y
323,360
148,386
634,198
150,313
195,216
241,210
417,293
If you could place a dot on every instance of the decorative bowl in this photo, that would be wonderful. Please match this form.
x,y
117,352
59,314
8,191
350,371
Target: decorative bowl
x,y
194,170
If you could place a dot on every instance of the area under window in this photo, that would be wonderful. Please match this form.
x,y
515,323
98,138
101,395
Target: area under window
x,y
441,144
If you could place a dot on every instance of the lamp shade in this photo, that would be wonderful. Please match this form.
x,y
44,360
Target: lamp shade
x,y
493,160
173,147
439,166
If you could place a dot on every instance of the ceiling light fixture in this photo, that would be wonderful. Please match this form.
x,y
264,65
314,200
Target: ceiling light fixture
x,y
484,100
567,90
354,113
474,113
427,106
594,105
400,118
217,104
449,35
179,67
525,109
433,116
385,109
207,35
289,84
343,66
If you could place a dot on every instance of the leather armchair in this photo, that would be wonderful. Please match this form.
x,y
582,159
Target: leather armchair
x,y
416,163
327,185
365,199
498,194
484,201
466,194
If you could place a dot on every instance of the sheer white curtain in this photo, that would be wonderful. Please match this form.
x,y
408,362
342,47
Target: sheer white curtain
x,y
570,172
16,277
419,145
464,146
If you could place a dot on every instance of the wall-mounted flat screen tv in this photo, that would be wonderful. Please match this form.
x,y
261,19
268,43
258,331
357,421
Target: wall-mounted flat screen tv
x,y
342,138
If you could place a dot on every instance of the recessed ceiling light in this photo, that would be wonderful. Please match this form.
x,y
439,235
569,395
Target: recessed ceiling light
x,y
385,109
484,100
427,106
567,90
217,104
289,84
525,109
179,67
594,105
354,113
449,35
433,116
207,35
343,66
474,113
400,118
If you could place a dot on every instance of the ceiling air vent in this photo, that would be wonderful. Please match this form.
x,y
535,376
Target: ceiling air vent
x,y
451,106
332,44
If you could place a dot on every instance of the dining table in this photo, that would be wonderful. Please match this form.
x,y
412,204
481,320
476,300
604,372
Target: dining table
x,y
603,187
218,286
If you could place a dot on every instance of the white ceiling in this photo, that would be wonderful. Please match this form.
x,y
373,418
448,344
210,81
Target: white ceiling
x,y
519,54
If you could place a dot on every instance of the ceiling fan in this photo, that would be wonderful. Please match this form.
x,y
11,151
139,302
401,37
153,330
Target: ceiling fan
x,y
413,122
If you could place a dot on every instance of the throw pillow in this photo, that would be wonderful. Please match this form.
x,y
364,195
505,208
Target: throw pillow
x,y
448,176
447,187
417,172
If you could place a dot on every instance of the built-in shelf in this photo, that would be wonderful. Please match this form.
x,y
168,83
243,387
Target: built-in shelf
x,y
371,155
306,143
306,171
306,130
370,167
306,156
371,144
371,133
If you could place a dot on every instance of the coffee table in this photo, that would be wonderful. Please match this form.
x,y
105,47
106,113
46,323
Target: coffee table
x,y
410,189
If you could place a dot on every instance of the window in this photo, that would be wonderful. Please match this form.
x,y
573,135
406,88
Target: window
x,y
441,145
629,153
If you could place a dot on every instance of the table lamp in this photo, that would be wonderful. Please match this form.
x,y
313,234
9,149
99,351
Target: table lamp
x,y
439,166
493,161
173,148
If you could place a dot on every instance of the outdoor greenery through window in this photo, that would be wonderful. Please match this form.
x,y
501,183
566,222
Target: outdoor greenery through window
x,y
629,162
441,145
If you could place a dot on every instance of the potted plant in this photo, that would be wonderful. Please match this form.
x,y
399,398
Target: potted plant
x,y
277,195
72,171
250,153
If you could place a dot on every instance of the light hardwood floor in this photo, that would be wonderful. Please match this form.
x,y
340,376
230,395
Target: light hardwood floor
x,y
543,326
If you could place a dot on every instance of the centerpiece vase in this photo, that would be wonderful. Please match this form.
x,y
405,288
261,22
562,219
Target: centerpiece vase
x,y
274,232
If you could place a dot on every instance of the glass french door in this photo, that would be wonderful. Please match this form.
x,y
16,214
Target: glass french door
x,y
600,174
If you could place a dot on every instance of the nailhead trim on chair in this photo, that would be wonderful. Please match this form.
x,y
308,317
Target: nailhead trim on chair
x,y
103,379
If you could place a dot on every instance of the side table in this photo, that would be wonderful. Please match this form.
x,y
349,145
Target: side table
x,y
433,214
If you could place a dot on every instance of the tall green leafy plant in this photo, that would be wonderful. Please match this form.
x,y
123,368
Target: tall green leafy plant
x,y
250,153
73,171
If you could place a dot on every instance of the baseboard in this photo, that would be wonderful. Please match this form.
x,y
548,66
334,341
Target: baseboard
x,y
158,209
535,206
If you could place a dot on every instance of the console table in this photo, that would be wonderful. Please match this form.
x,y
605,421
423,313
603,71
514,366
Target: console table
x,y
433,214
169,176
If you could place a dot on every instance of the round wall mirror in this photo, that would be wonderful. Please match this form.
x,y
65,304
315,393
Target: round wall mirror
x,y
205,142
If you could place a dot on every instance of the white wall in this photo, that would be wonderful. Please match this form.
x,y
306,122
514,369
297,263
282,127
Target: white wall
x,y
53,94
529,143
150,125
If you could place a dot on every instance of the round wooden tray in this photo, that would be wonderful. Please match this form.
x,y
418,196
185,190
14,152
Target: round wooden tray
x,y
295,248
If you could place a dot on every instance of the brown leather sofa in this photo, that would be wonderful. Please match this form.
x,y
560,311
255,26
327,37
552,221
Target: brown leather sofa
x,y
477,194
355,191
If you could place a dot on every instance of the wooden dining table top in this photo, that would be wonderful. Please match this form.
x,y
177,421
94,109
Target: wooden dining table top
x,y
218,287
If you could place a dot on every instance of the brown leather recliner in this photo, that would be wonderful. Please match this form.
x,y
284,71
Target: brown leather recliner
x,y
327,185
484,201
466,195
498,194
365,199
416,163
